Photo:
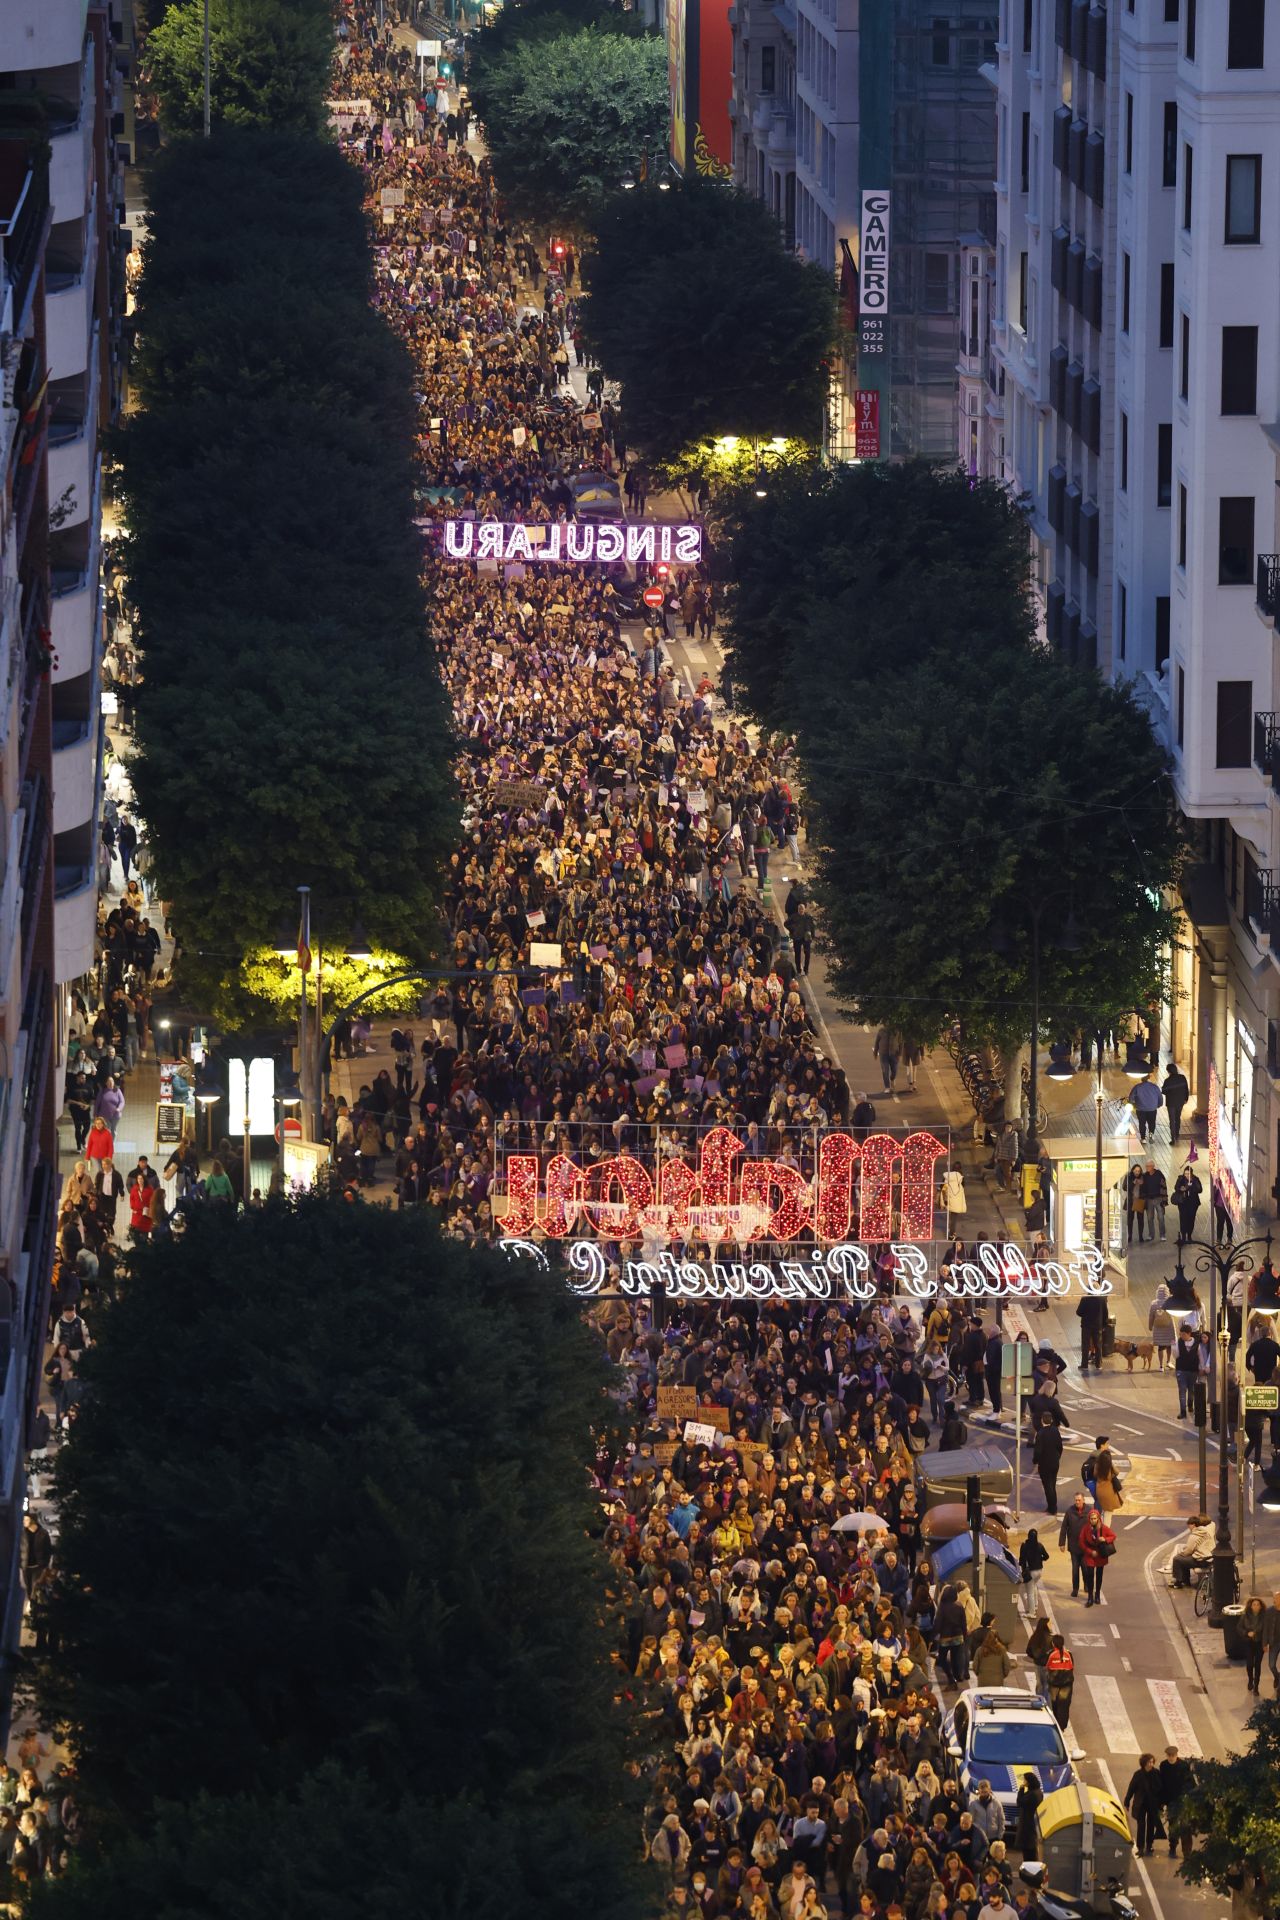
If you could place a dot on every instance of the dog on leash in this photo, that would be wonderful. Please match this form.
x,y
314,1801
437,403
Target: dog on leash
x,y
1139,1349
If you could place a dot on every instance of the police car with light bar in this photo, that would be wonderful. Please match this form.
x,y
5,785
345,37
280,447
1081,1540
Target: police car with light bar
x,y
999,1734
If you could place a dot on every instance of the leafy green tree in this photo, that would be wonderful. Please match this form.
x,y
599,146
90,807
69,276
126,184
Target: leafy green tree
x,y
1234,1811
269,481
269,63
341,1845
963,783
324,1503
710,325
915,559
955,799
565,117
521,21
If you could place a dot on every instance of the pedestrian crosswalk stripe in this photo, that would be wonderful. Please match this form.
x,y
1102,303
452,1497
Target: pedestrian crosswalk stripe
x,y
1174,1718
1117,1728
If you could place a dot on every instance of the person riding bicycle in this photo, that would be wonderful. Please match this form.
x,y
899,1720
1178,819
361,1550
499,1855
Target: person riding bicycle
x,y
1194,1550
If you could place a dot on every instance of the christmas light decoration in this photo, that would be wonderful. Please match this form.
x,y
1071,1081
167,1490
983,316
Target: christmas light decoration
x,y
522,1195
921,1153
791,1216
626,1172
834,1209
564,1186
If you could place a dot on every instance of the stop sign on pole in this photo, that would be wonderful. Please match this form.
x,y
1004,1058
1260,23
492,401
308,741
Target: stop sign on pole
x,y
653,596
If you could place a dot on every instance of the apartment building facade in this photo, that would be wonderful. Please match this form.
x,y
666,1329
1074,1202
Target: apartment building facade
x,y
1133,324
836,98
60,191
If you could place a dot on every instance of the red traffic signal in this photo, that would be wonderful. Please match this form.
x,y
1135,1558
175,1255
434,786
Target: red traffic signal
x,y
558,249
662,569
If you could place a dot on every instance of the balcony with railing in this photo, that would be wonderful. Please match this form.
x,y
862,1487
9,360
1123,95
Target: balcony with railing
x,y
1268,584
24,222
1262,905
1266,747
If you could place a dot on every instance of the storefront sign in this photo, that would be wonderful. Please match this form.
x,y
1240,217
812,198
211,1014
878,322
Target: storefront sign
x,y
866,424
840,1273
581,542
1226,1162
873,274
1262,1399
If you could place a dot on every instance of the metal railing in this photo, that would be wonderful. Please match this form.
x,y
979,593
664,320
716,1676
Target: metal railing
x,y
1268,583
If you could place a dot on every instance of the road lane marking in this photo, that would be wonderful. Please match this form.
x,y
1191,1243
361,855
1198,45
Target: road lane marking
x,y
1087,1639
1175,1719
1129,1525
1115,1631
1173,1453
1121,1428
1118,1735
1126,1664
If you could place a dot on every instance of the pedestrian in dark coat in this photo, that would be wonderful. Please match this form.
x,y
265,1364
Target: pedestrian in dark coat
x,y
1046,1455
1030,1794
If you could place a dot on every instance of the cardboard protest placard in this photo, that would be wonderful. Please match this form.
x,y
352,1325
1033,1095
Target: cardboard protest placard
x,y
677,1403
675,1056
699,1434
717,1417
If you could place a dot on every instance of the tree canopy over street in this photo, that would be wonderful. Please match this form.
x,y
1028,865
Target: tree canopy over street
x,y
325,1547
709,323
269,63
961,778
273,560
566,114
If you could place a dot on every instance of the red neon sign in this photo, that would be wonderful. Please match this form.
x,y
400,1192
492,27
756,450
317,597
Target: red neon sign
x,y
756,1200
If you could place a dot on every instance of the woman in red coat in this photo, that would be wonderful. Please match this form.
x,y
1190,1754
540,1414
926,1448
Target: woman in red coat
x,y
99,1145
1097,1544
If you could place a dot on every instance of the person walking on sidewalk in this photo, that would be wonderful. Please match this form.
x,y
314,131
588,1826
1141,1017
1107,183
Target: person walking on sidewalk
x,y
1186,1366
1046,1457
1253,1625
1155,1192
1160,1326
1091,1313
1175,1784
1097,1546
1188,1192
1176,1093
1069,1539
1060,1673
1142,1800
1033,1557
1271,1639
887,1051
1146,1100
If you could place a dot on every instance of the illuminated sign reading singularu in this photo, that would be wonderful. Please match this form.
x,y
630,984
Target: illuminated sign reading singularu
x,y
579,541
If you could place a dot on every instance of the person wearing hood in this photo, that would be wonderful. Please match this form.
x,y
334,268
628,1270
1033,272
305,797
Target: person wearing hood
x,y
1161,1328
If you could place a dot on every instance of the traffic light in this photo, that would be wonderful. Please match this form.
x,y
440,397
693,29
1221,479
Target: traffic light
x,y
558,249
662,569
1200,1402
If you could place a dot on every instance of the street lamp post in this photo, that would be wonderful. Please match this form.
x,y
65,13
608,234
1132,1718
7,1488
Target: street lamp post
x,y
1220,1265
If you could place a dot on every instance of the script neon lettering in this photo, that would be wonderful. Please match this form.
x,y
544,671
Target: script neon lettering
x,y
581,541
688,545
519,546
609,543
489,545
459,537
641,541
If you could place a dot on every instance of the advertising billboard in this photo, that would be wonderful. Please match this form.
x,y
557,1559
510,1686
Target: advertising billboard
x,y
700,74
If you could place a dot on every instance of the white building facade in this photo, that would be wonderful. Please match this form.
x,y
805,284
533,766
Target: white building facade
x,y
1134,316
